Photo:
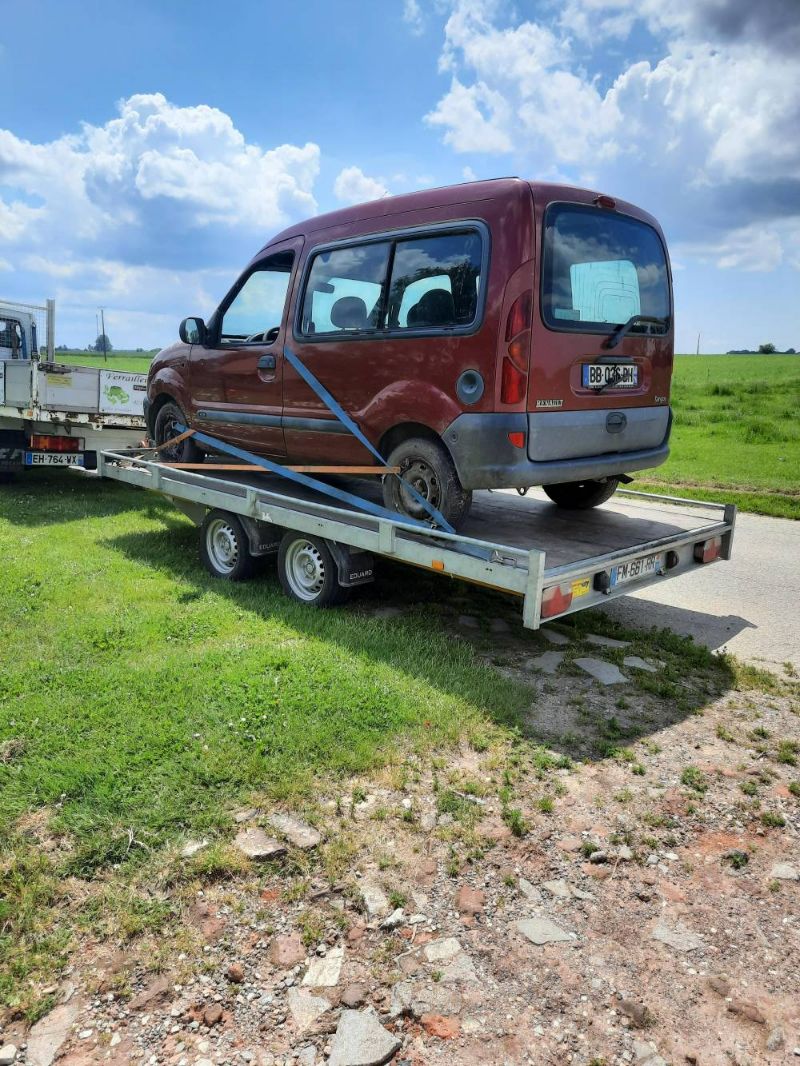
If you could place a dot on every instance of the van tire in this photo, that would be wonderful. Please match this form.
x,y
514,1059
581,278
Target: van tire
x,y
308,572
224,547
582,495
426,464
187,451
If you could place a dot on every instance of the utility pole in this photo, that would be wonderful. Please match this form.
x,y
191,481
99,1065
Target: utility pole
x,y
103,335
698,345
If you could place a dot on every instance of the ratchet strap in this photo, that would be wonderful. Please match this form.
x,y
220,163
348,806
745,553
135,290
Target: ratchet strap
x,y
336,409
303,479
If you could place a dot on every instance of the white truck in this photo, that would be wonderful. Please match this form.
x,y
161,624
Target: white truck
x,y
55,414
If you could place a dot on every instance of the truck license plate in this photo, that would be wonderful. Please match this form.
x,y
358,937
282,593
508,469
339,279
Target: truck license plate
x,y
613,375
637,568
54,458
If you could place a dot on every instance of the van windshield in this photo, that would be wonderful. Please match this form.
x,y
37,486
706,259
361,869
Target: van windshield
x,y
600,268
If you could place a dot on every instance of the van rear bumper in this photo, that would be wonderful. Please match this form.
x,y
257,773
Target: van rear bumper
x,y
486,459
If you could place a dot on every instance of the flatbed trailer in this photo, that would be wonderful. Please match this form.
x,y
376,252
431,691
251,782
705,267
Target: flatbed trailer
x,y
558,562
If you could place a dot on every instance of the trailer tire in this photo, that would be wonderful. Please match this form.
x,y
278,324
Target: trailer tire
x,y
307,571
167,417
426,464
582,495
224,547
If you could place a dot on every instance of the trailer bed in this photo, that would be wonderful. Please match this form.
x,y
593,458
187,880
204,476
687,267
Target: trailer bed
x,y
554,559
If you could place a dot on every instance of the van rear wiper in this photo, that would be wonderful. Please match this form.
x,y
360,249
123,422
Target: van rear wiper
x,y
620,331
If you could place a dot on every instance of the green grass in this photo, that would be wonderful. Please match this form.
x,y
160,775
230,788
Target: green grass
x,y
141,701
137,362
736,435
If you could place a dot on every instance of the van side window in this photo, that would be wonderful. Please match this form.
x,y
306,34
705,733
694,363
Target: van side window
x,y
435,281
256,311
345,288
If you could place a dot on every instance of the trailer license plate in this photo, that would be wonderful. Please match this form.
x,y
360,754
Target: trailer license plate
x,y
612,375
637,568
53,458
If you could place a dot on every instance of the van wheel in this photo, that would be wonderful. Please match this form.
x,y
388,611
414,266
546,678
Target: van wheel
x,y
307,571
224,548
581,495
167,418
427,466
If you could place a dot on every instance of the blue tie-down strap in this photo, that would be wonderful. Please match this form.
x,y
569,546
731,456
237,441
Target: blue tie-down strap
x,y
304,479
335,408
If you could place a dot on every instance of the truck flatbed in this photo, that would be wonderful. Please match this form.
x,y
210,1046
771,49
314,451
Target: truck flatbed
x,y
558,561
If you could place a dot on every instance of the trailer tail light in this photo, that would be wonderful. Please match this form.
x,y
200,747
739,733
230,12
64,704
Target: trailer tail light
x,y
514,380
708,550
40,442
556,600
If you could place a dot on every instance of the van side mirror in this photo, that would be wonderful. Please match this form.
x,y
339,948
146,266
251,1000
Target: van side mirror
x,y
193,331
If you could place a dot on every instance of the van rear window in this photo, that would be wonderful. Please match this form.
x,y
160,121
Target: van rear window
x,y
600,268
420,282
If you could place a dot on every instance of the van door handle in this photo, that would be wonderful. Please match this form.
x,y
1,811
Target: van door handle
x,y
266,362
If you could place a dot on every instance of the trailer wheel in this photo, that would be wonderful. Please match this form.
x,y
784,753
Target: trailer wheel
x,y
581,495
167,417
307,571
427,466
224,548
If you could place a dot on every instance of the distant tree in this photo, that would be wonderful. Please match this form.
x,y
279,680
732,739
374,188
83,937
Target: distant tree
x,y
766,349
791,351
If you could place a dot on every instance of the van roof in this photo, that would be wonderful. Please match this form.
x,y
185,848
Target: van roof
x,y
446,195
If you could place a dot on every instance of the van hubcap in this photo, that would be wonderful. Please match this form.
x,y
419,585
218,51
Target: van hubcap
x,y
421,476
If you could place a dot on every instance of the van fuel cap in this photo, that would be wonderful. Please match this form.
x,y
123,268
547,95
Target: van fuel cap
x,y
469,387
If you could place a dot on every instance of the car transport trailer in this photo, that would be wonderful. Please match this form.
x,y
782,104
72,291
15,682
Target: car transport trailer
x,y
558,562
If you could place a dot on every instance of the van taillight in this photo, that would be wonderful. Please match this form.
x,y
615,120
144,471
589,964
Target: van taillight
x,y
519,317
512,389
515,374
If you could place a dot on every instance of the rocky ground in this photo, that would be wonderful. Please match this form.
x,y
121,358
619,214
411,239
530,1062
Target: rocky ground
x,y
624,891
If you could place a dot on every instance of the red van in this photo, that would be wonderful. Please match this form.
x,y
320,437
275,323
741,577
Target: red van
x,y
498,334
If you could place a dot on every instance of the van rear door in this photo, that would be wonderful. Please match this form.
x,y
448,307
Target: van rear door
x,y
603,342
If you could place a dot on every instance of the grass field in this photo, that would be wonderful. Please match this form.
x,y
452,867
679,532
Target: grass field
x,y
736,435
133,361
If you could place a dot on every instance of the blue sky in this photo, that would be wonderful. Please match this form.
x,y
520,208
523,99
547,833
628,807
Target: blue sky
x,y
146,151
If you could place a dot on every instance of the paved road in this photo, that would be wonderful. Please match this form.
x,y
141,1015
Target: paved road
x,y
749,605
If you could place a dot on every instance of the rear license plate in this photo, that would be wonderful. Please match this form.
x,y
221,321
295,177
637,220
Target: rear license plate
x,y
637,568
54,458
612,375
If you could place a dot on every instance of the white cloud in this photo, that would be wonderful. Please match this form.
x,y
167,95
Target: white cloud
x,y
157,208
705,134
412,15
143,181
353,186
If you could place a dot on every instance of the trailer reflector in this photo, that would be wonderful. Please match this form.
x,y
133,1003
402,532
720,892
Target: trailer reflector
x,y
556,600
42,442
437,564
708,550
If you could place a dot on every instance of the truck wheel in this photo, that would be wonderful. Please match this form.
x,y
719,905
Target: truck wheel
x,y
224,548
307,571
426,465
581,495
169,416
